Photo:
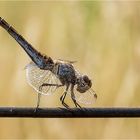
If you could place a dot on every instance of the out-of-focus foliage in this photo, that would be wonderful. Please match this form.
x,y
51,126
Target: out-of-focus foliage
x,y
104,37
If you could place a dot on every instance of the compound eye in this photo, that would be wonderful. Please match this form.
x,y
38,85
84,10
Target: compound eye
x,y
86,79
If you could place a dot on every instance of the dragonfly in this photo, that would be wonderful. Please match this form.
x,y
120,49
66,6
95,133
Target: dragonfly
x,y
46,75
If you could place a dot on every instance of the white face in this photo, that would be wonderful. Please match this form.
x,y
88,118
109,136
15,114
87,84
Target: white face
x,y
83,84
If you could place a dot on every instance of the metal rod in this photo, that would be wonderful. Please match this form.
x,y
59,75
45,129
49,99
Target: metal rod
x,y
23,112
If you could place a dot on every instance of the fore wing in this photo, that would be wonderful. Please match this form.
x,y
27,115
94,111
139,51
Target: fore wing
x,y
67,61
36,77
89,97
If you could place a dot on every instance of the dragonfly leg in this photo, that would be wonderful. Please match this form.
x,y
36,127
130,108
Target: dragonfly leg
x,y
38,101
47,84
73,97
39,94
62,98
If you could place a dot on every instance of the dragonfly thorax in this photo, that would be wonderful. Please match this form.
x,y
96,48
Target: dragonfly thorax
x,y
65,72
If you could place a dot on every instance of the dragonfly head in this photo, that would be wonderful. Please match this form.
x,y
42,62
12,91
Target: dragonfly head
x,y
83,83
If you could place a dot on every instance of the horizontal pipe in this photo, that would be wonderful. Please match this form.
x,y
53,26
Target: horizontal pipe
x,y
23,112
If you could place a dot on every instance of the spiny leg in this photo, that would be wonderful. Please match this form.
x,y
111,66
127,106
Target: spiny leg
x,y
47,84
62,98
73,97
39,94
38,101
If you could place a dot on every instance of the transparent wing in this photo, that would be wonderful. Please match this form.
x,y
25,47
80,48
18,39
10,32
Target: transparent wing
x,y
89,97
36,77
67,61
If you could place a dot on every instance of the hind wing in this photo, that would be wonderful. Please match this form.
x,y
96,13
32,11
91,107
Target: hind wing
x,y
36,77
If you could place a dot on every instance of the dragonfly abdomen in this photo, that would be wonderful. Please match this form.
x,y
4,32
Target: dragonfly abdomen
x,y
36,57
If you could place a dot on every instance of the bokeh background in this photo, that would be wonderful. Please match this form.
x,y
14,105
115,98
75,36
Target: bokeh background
x,y
103,37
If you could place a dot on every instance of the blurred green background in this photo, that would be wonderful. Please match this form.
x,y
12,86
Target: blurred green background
x,y
104,39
